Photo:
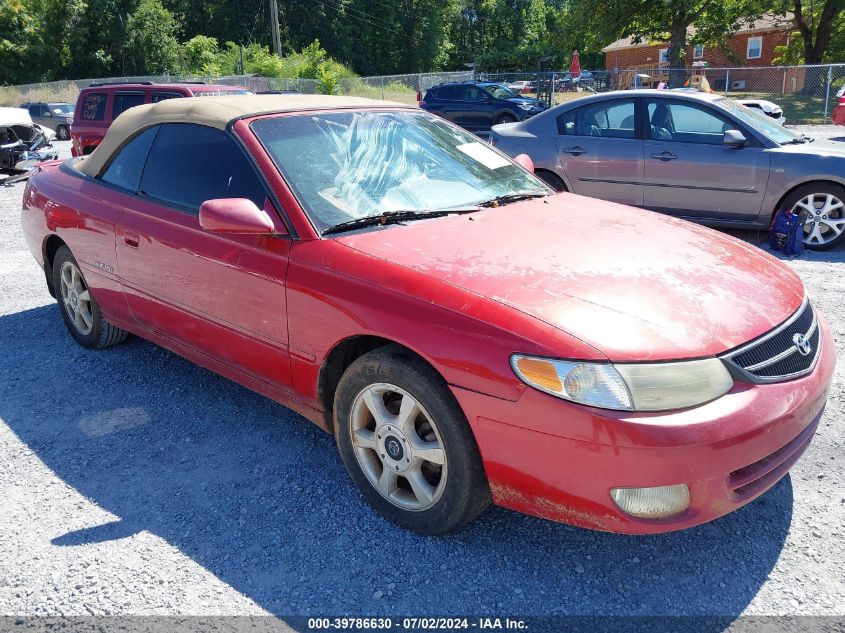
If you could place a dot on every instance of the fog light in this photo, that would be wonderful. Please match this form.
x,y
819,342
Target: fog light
x,y
652,503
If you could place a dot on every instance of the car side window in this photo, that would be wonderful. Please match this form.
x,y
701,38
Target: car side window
x,y
124,101
189,164
126,167
474,94
449,93
94,106
163,96
686,123
608,119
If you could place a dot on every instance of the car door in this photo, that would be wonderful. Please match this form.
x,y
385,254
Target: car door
x,y
600,150
450,103
690,172
123,100
477,109
222,295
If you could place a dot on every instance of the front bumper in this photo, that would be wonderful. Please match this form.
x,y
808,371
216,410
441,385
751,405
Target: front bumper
x,y
554,459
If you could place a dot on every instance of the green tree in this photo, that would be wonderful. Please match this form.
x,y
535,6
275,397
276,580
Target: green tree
x,y
819,35
200,56
151,44
668,21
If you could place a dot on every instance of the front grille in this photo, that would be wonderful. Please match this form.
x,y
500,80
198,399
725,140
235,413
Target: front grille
x,y
775,356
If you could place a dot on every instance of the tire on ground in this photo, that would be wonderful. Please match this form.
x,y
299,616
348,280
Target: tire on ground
x,y
466,492
102,334
819,188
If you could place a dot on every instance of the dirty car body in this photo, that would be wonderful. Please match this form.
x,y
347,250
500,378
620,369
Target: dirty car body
x,y
635,373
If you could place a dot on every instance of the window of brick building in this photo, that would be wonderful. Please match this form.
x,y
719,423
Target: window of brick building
x,y
755,48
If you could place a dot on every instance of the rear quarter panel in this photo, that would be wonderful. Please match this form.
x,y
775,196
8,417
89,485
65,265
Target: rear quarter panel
x,y
83,214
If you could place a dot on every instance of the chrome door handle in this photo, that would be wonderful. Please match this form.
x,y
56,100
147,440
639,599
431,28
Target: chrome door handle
x,y
575,151
664,156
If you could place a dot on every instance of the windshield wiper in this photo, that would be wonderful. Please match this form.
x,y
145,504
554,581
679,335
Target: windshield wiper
x,y
512,197
393,217
796,141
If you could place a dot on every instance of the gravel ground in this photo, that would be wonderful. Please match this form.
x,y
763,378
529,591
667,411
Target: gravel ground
x,y
134,482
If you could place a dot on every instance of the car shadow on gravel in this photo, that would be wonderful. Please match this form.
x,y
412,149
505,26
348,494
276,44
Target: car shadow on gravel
x,y
259,497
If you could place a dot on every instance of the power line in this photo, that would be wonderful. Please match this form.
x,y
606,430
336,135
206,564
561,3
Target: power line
x,y
361,16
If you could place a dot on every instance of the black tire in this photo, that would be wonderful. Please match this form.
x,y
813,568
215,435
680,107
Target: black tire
x,y
550,178
102,333
465,492
819,189
505,118
62,133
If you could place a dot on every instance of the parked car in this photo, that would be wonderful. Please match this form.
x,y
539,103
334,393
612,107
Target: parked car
x,y
22,144
771,110
478,105
55,116
465,334
101,103
838,116
520,87
691,154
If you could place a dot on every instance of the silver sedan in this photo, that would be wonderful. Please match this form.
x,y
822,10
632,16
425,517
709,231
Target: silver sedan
x,y
694,155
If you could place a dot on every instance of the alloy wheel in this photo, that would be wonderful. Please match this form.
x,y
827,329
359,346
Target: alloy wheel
x,y
76,298
398,447
824,217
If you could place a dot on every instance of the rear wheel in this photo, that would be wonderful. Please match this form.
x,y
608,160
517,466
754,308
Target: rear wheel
x,y
406,443
62,133
822,207
80,311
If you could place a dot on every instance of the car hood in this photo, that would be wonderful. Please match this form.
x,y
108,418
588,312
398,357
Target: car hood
x,y
633,284
526,101
820,148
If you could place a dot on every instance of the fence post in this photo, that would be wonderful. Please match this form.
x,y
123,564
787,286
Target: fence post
x,y
827,91
727,80
382,88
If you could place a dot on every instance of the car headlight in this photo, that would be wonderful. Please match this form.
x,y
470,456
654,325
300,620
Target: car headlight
x,y
526,106
628,386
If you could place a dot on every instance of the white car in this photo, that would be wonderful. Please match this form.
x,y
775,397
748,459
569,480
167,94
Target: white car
x,y
520,86
770,109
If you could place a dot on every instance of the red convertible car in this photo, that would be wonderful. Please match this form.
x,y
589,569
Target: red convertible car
x,y
467,335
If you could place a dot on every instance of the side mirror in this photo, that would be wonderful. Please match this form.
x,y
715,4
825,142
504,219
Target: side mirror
x,y
734,138
235,215
524,161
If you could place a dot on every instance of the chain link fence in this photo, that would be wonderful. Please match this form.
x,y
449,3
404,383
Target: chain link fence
x,y
807,94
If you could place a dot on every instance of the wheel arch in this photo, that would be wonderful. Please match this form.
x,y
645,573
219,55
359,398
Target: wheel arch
x,y
340,357
539,170
795,187
51,246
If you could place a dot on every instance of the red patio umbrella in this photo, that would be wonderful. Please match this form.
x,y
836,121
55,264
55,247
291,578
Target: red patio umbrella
x,y
575,66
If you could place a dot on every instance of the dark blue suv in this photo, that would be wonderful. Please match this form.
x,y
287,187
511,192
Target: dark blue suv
x,y
479,105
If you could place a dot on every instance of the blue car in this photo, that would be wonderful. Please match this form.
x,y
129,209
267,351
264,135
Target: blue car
x,y
479,105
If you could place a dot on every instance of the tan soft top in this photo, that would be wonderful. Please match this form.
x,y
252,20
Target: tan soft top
x,y
211,111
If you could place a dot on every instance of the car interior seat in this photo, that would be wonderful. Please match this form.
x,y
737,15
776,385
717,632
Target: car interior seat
x,y
661,124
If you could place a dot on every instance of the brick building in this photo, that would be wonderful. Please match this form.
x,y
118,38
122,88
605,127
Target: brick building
x,y
754,45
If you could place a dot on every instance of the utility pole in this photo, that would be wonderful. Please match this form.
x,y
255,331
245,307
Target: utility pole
x,y
274,27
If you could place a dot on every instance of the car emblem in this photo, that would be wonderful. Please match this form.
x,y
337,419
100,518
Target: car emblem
x,y
802,344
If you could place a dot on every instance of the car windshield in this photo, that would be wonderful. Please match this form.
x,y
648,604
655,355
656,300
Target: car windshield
x,y
61,108
500,92
222,92
344,166
760,122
